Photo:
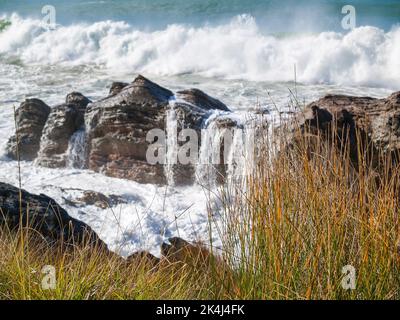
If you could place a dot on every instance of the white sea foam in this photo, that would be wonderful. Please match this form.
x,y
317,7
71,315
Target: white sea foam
x,y
237,50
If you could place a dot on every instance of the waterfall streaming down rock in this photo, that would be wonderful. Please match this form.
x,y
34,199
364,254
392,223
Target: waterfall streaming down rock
x,y
227,149
241,156
76,153
209,154
171,127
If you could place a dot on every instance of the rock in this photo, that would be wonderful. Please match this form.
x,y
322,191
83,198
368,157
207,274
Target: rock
x,y
143,257
175,249
63,121
116,87
195,255
31,117
45,217
375,123
117,127
79,100
109,135
98,199
202,100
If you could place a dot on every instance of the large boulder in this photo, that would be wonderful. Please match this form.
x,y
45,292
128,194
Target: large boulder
x,y
117,126
200,99
44,216
78,99
195,255
372,124
98,199
116,87
31,117
63,121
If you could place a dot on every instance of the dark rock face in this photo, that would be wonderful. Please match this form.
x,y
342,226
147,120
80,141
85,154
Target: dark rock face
x,y
116,87
31,117
373,122
117,126
202,100
116,129
143,257
195,255
174,248
61,124
97,199
109,135
45,216
79,100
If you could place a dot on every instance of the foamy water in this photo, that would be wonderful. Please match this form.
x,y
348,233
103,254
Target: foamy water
x,y
366,56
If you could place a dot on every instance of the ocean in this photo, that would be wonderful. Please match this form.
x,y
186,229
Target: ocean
x,y
246,53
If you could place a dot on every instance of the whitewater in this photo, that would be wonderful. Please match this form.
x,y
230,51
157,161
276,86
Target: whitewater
x,y
239,62
238,50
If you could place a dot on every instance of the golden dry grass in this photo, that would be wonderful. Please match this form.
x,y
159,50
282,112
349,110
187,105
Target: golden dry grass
x,y
288,230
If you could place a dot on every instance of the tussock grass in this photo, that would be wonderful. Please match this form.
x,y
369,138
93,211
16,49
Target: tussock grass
x,y
288,229
89,273
307,212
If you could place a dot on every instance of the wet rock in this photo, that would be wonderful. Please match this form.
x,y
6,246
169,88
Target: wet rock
x,y
45,217
98,199
79,100
116,87
31,117
194,255
371,123
143,257
117,127
63,121
202,100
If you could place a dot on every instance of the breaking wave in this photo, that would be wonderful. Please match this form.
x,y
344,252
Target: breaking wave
x,y
239,49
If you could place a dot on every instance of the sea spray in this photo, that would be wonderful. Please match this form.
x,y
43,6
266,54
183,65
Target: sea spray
x,y
239,49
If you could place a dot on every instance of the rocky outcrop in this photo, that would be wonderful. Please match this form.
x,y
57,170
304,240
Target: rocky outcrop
x,y
116,87
31,117
79,100
373,124
98,199
117,126
198,98
63,121
143,257
177,250
195,255
116,131
44,216
110,135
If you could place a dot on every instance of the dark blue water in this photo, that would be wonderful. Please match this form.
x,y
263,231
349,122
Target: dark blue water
x,y
273,15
